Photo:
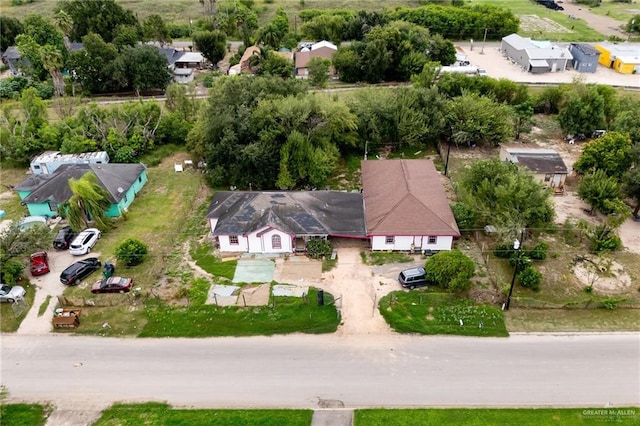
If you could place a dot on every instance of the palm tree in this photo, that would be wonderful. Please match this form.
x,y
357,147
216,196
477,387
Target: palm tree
x,y
65,24
52,61
89,202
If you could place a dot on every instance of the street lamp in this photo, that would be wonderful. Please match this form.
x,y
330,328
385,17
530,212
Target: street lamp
x,y
516,246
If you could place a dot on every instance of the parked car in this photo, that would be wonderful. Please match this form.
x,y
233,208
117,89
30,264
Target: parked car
x,y
11,294
39,263
30,221
84,242
412,278
63,238
113,285
79,271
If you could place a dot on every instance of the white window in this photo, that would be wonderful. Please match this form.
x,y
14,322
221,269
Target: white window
x,y
276,242
389,240
233,239
432,240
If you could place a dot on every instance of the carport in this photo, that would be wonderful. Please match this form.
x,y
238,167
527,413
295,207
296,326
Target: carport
x,y
538,66
254,270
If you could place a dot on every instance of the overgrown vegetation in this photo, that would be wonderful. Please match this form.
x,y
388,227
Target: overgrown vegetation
x,y
282,315
425,312
24,414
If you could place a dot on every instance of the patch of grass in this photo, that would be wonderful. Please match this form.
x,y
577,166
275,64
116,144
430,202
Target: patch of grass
x,y
10,201
44,305
559,320
411,152
384,257
328,264
347,174
202,254
163,414
155,157
24,414
495,416
424,312
9,322
290,315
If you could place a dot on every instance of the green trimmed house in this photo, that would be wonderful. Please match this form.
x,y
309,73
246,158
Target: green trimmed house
x,y
44,194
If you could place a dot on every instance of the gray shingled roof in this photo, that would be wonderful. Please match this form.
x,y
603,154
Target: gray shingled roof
x,y
331,213
55,187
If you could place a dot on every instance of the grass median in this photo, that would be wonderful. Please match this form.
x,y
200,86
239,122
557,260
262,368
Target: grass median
x,y
491,416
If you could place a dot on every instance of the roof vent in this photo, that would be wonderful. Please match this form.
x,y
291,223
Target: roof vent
x,y
120,190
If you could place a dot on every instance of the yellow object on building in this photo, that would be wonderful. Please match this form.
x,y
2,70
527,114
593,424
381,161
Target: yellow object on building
x,y
622,57
627,64
605,55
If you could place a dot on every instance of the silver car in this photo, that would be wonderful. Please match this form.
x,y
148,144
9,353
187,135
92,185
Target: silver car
x,y
11,294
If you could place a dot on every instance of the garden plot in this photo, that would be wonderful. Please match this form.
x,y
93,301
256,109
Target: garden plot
x,y
534,23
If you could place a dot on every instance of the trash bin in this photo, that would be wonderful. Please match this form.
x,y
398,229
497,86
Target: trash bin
x,y
108,270
320,297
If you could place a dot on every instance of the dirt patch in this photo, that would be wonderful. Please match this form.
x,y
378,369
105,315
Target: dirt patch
x,y
614,280
534,23
603,24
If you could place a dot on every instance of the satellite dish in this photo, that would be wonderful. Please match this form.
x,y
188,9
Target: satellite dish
x,y
120,190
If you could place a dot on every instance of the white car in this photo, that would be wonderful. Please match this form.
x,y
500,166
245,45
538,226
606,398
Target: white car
x,y
11,294
84,242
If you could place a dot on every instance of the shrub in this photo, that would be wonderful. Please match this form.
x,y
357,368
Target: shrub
x,y
604,239
451,270
611,303
539,252
504,250
131,252
530,277
317,248
12,270
465,217
207,81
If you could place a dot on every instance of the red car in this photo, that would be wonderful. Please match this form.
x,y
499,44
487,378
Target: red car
x,y
39,263
113,285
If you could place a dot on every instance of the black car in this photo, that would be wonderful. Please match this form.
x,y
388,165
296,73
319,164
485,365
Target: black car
x,y
64,238
79,271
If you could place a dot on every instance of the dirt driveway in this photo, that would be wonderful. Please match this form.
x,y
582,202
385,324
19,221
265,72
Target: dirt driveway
x,y
603,24
49,285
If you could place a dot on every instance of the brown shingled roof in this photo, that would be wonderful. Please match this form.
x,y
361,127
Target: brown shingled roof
x,y
405,197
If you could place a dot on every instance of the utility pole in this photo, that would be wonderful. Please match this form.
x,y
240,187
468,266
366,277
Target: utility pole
x,y
484,40
366,147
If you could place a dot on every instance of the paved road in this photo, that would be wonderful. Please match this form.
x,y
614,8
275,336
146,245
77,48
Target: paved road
x,y
299,370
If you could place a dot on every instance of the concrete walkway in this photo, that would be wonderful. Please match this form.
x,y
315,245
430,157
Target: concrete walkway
x,y
332,417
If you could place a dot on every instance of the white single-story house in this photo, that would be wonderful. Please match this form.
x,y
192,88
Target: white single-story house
x,y
546,164
283,221
406,207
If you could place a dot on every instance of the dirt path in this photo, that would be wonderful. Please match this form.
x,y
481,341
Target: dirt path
x,y
359,291
603,24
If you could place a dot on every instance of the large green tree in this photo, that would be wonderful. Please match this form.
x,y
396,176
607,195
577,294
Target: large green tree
x,y
141,68
505,196
478,120
11,28
582,110
155,29
97,16
319,71
212,45
92,65
16,242
87,205
609,153
602,192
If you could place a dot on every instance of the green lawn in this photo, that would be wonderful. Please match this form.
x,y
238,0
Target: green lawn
x,y
384,257
9,321
290,315
426,312
204,258
504,417
159,414
23,414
